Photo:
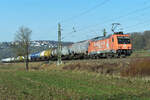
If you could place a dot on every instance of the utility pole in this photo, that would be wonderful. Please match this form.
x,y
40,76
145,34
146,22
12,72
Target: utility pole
x,y
59,45
104,32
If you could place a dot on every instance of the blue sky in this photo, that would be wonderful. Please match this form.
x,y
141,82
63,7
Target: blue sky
x,y
42,16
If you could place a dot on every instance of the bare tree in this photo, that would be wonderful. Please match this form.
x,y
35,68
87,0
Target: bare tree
x,y
22,43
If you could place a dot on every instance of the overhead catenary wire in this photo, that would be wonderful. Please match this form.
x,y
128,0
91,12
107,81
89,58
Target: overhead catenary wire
x,y
143,23
137,24
115,18
85,12
122,16
99,5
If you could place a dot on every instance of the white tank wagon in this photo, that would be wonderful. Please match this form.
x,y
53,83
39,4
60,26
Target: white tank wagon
x,y
7,60
79,49
65,51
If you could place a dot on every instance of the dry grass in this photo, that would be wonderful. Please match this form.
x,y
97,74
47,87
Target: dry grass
x,y
99,66
138,67
140,54
124,67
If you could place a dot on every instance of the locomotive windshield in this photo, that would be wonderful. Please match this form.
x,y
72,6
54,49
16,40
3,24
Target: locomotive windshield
x,y
123,40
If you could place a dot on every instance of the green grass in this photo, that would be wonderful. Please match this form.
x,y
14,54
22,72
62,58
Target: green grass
x,y
16,84
141,53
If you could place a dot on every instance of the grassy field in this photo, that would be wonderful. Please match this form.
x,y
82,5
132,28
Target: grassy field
x,y
140,53
68,82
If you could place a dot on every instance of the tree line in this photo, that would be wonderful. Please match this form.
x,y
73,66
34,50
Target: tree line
x,y
140,40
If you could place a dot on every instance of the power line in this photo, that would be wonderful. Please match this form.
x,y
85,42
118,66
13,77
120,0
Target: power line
x,y
128,14
122,16
83,13
87,11
137,24
140,23
99,5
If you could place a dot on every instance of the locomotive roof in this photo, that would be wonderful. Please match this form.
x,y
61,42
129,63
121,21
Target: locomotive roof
x,y
96,38
100,38
105,37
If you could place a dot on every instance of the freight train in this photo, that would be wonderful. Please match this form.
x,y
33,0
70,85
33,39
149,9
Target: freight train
x,y
116,45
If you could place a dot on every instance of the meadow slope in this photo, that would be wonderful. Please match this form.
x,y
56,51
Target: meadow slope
x,y
49,82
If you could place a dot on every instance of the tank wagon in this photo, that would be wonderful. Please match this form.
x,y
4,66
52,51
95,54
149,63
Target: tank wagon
x,y
40,56
79,49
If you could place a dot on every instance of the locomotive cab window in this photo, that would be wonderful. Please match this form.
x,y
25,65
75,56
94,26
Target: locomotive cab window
x,y
123,40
